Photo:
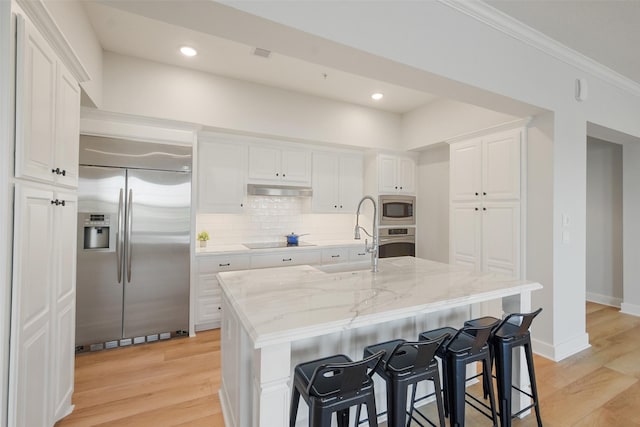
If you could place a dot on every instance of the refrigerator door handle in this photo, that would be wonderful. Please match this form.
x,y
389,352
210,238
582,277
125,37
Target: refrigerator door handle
x,y
119,236
129,227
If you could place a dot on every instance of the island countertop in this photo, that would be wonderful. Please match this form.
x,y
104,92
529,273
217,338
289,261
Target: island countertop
x,y
286,304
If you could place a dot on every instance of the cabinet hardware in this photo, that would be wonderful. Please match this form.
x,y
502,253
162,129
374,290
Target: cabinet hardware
x,y
283,175
286,259
277,174
484,193
224,265
476,208
484,209
362,253
62,202
335,256
477,194
335,206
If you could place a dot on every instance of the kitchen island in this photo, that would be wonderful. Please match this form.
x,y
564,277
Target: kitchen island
x,y
275,318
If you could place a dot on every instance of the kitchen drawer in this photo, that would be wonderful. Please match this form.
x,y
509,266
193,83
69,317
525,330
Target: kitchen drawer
x,y
208,285
283,259
335,255
217,263
358,254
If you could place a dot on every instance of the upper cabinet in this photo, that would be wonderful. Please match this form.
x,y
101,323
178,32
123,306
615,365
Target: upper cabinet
x,y
486,168
337,182
222,175
279,165
47,112
396,174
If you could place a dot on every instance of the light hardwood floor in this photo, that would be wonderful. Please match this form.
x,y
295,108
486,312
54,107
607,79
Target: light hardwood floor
x,y
175,383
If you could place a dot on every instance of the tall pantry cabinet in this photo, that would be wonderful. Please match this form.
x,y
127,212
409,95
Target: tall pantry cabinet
x,y
47,120
486,202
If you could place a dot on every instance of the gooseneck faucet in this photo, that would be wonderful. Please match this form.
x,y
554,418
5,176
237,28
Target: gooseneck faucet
x,y
373,249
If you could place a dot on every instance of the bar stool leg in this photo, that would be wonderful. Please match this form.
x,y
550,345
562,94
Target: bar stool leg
x,y
372,414
396,413
532,380
343,418
486,366
293,412
458,381
503,374
439,403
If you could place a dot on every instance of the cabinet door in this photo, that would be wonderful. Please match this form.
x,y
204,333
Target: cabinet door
x,y
31,329
64,301
501,166
387,174
350,189
264,163
221,177
501,238
465,170
466,235
35,104
406,175
296,167
325,183
67,128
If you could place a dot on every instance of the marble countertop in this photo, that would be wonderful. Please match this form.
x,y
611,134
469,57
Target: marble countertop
x,y
227,249
286,304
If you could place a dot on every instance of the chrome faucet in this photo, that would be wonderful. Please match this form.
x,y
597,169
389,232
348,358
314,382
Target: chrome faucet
x,y
373,249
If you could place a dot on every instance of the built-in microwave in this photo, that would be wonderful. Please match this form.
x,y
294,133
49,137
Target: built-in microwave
x,y
397,210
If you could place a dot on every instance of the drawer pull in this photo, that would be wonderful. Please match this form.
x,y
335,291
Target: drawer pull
x,y
286,259
224,265
335,256
362,253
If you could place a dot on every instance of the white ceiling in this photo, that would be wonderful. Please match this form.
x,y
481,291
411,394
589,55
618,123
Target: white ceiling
x,y
604,30
129,34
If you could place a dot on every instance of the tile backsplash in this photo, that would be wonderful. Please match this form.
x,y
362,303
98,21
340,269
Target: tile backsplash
x,y
270,218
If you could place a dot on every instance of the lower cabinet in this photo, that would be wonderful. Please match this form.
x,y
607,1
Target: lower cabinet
x,y
209,300
43,322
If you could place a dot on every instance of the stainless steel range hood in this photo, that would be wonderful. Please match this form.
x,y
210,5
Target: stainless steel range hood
x,y
278,190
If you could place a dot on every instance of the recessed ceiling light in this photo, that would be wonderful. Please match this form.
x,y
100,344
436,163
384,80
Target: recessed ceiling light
x,y
377,96
188,51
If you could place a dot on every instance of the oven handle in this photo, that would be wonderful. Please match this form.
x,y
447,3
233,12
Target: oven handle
x,y
403,239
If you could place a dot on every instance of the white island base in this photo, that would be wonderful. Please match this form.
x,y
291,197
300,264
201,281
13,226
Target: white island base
x,y
276,318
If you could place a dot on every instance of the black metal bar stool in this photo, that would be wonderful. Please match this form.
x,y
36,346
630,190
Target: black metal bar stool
x,y
466,345
334,384
404,364
513,332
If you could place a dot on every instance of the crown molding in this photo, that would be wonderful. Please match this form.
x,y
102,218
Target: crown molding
x,y
38,13
510,26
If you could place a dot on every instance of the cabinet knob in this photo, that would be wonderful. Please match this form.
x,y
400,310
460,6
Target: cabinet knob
x,y
64,172
340,206
484,193
476,208
335,206
241,205
62,202
484,209
396,187
477,194
283,175
219,308
401,188
277,174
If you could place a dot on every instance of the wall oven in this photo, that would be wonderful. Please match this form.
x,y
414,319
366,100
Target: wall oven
x,y
395,242
397,210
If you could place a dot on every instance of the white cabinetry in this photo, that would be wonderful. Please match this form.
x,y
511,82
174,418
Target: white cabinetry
x,y
286,258
209,303
43,302
47,112
43,320
337,182
485,208
222,171
396,174
281,165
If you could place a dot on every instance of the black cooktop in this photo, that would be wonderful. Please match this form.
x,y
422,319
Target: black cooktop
x,y
275,245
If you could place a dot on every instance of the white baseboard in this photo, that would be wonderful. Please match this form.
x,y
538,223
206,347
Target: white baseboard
x,y
604,299
632,309
563,350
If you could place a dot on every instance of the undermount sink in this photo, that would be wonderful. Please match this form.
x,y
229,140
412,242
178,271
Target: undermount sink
x,y
344,267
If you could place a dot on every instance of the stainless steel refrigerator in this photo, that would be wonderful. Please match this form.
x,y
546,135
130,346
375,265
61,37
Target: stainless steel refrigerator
x,y
134,204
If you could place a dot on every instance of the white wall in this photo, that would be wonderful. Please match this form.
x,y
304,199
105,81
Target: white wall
x,y
432,210
145,88
72,20
604,222
444,119
631,213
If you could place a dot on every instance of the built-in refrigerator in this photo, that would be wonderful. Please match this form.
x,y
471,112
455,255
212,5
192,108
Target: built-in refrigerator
x,y
134,215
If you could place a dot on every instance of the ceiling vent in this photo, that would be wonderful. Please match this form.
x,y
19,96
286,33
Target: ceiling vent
x,y
265,53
